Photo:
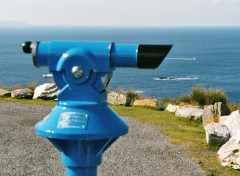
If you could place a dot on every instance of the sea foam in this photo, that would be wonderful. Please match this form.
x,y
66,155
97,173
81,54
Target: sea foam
x,y
175,78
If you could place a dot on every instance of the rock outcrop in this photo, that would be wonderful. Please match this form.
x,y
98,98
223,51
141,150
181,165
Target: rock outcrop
x,y
190,112
229,153
221,109
217,134
47,91
172,108
22,93
213,112
232,122
146,102
115,98
4,93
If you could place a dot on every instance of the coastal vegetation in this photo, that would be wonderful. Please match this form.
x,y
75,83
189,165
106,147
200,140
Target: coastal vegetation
x,y
189,134
203,96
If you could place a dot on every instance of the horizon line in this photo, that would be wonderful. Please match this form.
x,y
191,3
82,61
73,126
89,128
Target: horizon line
x,y
121,26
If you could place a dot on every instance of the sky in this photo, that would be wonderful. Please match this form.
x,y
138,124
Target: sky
x,y
122,12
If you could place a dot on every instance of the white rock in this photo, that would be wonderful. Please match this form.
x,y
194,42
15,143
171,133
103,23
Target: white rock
x,y
220,109
232,122
22,93
190,112
172,108
213,112
146,102
217,134
115,98
46,91
229,153
4,93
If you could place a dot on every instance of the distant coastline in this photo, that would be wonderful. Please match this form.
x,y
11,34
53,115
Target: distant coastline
x,y
12,23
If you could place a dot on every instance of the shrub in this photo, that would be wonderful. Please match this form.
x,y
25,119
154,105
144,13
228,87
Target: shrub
x,y
120,90
185,98
203,96
32,86
132,95
213,96
198,95
233,107
15,87
167,101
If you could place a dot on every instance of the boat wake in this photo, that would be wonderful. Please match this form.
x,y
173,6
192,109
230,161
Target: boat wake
x,y
139,91
183,58
175,78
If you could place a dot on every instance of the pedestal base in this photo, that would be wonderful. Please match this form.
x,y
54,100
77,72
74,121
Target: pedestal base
x,y
76,171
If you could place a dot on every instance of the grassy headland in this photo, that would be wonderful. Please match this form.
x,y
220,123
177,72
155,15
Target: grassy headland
x,y
189,134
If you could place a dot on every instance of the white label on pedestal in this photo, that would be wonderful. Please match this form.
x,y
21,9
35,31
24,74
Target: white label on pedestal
x,y
73,120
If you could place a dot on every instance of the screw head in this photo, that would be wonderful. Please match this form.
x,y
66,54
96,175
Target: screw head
x,y
77,72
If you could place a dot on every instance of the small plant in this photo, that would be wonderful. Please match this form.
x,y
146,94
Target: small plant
x,y
215,95
132,95
32,86
167,101
198,95
15,87
202,96
233,107
3,87
185,98
120,90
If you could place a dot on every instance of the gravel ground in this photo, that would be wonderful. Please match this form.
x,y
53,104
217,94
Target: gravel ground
x,y
143,152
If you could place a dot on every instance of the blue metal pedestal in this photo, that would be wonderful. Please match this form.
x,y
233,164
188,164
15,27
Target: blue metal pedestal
x,y
82,135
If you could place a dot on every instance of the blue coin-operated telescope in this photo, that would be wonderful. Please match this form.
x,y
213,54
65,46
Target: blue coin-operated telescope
x,y
82,126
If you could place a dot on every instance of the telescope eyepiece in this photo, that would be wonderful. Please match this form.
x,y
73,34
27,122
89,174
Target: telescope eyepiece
x,y
26,46
151,56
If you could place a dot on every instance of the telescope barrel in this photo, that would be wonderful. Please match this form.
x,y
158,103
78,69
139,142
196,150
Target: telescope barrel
x,y
121,55
140,56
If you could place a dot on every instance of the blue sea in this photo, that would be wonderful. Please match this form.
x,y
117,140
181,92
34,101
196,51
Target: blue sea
x,y
207,56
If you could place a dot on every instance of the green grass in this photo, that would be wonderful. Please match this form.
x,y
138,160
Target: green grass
x,y
188,134
29,101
